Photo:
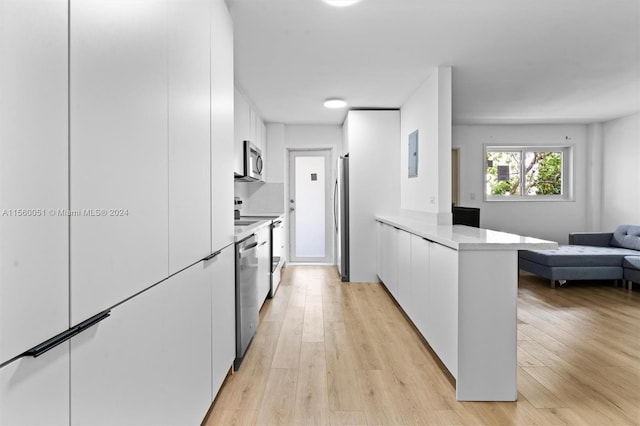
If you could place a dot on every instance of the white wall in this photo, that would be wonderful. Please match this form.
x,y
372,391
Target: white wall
x,y
594,177
621,172
429,111
551,220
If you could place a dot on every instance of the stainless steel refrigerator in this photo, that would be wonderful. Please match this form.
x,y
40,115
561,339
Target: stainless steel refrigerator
x,y
341,217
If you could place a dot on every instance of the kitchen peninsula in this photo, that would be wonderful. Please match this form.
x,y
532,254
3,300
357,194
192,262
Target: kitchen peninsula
x,y
459,287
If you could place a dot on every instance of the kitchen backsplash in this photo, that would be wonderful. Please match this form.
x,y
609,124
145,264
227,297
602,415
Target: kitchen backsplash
x,y
260,198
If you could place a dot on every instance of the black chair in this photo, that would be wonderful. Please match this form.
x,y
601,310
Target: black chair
x,y
469,216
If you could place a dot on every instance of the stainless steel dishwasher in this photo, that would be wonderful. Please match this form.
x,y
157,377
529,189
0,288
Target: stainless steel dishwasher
x,y
247,316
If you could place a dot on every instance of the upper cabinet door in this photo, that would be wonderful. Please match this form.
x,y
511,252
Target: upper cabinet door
x,y
189,133
34,276
242,129
222,122
119,161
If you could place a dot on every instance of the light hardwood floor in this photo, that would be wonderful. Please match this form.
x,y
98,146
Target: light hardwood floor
x,y
327,352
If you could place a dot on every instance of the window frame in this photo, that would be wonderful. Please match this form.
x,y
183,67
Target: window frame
x,y
567,172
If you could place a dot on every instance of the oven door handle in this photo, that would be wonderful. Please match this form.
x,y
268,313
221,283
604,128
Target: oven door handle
x,y
251,247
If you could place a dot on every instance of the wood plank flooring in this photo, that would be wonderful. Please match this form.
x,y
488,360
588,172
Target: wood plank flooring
x,y
328,352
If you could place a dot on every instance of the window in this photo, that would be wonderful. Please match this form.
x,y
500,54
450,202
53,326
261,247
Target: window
x,y
527,173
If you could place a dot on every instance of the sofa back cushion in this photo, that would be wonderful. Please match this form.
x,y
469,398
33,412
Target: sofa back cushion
x,y
626,236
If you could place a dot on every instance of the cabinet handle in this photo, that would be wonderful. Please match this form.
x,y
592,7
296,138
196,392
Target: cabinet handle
x,y
212,255
46,346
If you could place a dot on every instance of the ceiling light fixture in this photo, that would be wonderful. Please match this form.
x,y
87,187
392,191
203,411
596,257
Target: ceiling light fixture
x,y
335,103
341,3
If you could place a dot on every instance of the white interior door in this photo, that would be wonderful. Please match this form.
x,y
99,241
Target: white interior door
x,y
310,206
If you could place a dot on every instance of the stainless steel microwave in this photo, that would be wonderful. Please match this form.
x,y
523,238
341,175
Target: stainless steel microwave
x,y
253,163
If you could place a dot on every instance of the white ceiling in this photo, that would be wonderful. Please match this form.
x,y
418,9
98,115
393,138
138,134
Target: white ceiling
x,y
513,61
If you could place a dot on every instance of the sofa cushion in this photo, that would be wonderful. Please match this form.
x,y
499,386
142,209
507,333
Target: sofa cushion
x,y
632,262
626,236
579,256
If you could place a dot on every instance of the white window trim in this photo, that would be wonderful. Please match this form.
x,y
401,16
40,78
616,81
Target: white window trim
x,y
567,173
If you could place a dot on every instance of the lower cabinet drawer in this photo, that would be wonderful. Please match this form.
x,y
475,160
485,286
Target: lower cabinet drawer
x,y
150,361
35,391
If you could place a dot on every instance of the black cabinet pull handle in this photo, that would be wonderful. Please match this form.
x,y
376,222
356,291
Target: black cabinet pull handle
x,y
47,345
212,255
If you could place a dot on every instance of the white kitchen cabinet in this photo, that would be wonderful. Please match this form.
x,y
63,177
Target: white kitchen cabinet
x,y
417,293
224,315
189,133
259,133
222,126
35,391
34,271
242,129
442,304
390,259
422,276
405,272
278,252
462,297
249,126
253,128
380,250
150,361
118,150
264,263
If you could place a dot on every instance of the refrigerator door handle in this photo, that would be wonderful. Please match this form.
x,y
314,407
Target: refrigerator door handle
x,y
335,206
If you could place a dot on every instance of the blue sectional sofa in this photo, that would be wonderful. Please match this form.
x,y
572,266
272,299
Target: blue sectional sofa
x,y
589,256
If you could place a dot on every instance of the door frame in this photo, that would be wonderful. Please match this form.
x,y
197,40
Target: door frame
x,y
455,176
329,258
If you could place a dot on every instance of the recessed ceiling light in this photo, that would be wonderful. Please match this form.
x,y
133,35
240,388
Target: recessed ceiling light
x,y
341,3
335,103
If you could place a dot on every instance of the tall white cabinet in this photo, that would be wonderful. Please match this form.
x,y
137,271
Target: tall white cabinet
x,y
34,251
118,150
189,132
33,174
372,138
222,126
116,187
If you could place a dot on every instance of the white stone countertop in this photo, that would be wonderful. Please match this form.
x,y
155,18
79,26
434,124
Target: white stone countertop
x,y
266,216
242,232
461,237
